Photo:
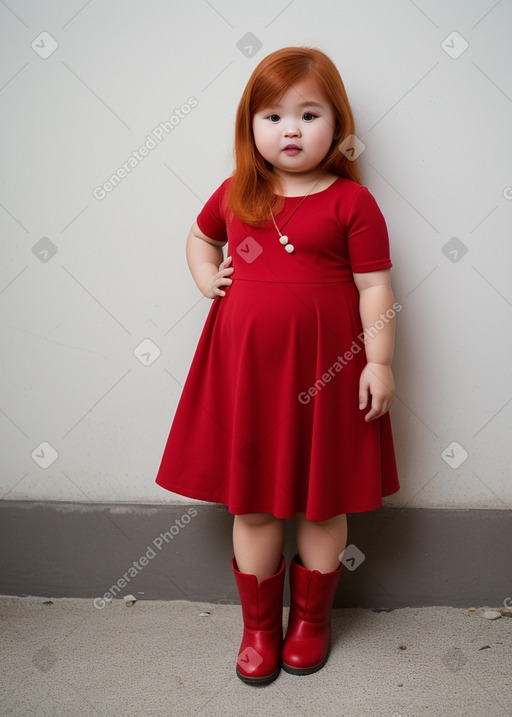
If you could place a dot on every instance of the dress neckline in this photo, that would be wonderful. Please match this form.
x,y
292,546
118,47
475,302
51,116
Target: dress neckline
x,y
301,196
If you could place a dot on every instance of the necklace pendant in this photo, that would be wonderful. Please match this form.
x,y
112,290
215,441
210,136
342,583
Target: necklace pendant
x,y
283,239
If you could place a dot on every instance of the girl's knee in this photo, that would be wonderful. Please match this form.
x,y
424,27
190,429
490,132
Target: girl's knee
x,y
256,520
336,520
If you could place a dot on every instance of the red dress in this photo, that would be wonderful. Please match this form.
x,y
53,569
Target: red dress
x,y
268,420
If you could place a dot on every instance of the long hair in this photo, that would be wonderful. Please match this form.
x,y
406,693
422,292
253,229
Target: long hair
x,y
252,187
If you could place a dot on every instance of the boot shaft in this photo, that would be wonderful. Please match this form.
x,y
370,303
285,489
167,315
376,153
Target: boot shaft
x,y
312,592
262,603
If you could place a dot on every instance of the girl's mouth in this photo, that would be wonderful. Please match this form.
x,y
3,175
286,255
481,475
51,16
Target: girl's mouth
x,y
291,150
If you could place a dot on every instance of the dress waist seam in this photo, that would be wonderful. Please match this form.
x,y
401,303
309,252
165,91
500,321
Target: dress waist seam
x,y
283,281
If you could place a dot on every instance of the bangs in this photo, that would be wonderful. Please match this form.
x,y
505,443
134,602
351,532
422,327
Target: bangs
x,y
278,77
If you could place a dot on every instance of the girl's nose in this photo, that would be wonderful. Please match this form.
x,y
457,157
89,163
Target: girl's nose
x,y
292,130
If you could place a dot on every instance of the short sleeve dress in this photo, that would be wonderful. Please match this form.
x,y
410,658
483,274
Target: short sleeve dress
x,y
268,420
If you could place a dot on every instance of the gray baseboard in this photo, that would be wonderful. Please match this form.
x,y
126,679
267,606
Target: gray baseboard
x,y
413,557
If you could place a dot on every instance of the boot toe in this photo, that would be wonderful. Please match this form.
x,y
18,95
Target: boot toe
x,y
258,660
258,681
303,662
252,669
304,658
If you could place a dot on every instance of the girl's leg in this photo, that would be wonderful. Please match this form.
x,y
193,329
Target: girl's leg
x,y
258,567
258,541
320,544
314,576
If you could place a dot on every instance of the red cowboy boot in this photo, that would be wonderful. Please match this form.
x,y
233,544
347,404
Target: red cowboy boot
x,y
262,611
306,644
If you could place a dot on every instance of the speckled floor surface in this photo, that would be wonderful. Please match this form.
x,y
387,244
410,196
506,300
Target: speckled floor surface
x,y
169,658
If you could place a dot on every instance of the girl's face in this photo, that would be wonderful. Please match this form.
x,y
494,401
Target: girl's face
x,y
295,133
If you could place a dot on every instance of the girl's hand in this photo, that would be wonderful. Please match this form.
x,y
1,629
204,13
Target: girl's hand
x,y
221,278
376,386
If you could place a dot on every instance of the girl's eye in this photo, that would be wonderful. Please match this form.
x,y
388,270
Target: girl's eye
x,y
274,118
308,116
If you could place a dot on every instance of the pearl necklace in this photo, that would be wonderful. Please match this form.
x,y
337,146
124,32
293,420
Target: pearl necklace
x,y
283,238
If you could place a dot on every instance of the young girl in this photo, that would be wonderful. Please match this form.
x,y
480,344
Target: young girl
x,y
284,411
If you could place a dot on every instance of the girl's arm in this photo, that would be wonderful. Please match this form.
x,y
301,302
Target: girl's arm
x,y
376,382
206,262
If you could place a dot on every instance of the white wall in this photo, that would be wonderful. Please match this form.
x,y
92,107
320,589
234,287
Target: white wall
x,y
437,158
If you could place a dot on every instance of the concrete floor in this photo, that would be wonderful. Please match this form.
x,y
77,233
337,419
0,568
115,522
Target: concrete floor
x,y
166,658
